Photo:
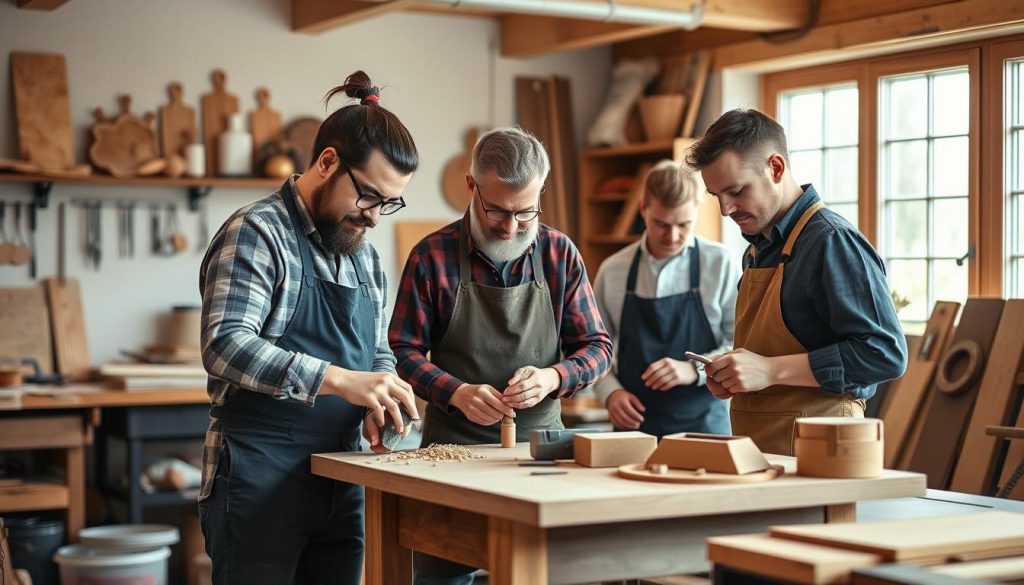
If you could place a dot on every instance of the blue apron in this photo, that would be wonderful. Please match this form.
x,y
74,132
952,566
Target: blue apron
x,y
269,520
666,327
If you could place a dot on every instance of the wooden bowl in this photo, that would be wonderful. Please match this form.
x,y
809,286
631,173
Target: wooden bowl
x,y
661,115
839,447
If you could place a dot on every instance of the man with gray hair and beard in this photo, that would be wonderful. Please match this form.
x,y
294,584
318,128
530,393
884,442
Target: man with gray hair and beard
x,y
503,306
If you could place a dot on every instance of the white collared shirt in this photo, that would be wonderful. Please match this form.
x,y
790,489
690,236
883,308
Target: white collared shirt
x,y
656,278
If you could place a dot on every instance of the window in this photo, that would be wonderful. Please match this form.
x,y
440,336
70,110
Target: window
x,y
923,186
1014,175
822,130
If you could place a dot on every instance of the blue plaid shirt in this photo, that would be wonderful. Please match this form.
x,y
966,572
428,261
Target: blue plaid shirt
x,y
250,281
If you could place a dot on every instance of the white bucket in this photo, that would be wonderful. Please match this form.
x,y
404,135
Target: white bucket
x,y
85,565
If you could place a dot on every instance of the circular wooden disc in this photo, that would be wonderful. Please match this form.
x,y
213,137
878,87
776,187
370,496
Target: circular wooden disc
x,y
968,350
640,472
301,134
453,179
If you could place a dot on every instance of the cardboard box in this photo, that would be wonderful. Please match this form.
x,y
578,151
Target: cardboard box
x,y
613,449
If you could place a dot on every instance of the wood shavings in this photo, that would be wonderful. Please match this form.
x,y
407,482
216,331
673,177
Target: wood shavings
x,y
435,453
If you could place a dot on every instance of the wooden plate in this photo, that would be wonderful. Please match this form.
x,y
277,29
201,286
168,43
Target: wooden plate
x,y
640,472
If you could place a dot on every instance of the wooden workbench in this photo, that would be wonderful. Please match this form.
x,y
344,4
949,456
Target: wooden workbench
x,y
586,525
89,395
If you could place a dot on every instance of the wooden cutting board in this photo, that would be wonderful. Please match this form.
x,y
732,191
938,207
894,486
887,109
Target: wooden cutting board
x,y
177,123
25,326
995,404
408,234
918,540
42,108
71,348
120,145
218,106
265,125
906,406
788,560
453,178
948,413
301,135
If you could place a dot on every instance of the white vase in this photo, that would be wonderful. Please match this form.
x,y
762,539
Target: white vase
x,y
195,155
236,149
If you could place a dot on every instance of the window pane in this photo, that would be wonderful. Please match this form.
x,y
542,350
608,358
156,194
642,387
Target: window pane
x,y
841,174
1020,277
908,228
807,167
950,281
805,116
908,107
1020,89
951,164
950,231
951,114
841,111
1018,224
909,278
847,210
908,169
1018,148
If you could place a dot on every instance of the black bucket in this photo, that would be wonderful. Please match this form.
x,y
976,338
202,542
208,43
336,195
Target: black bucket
x,y
33,541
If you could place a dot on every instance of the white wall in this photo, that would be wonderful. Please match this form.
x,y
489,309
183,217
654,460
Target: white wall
x,y
433,70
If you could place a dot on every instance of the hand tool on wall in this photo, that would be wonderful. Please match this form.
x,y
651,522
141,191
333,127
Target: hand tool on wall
x,y
176,241
21,253
203,239
156,239
60,243
32,209
131,229
98,250
6,247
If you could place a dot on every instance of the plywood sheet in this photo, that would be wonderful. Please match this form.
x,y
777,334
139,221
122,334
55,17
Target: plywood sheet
x,y
71,348
25,326
786,559
908,399
948,413
918,539
994,406
42,108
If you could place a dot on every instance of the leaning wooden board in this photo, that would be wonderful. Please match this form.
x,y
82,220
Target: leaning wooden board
x,y
25,326
787,559
42,108
951,407
71,349
917,540
903,409
1014,455
995,404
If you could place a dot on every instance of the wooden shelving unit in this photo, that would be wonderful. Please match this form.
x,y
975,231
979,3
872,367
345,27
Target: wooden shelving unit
x,y
600,212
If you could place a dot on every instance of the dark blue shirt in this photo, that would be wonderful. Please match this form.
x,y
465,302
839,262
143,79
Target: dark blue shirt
x,y
835,300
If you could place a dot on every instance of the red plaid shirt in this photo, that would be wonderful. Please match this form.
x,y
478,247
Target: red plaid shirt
x,y
426,297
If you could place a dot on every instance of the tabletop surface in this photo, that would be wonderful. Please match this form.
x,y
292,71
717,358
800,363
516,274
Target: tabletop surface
x,y
94,395
495,485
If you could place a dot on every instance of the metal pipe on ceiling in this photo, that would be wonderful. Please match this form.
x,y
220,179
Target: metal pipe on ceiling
x,y
608,11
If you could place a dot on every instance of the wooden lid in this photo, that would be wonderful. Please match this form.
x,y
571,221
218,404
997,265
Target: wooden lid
x,y
838,428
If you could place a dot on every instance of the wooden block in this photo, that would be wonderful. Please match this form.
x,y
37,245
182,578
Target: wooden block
x,y
957,378
994,406
265,125
177,124
715,453
917,539
71,348
905,407
788,560
613,449
217,106
25,326
42,108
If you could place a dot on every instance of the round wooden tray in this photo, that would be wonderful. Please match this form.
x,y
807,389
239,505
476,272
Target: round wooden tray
x,y
640,472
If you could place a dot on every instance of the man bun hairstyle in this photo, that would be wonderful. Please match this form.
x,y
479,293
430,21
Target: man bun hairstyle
x,y
356,130
749,133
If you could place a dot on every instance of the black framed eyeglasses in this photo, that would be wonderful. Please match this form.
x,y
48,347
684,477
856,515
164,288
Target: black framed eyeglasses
x,y
367,201
503,214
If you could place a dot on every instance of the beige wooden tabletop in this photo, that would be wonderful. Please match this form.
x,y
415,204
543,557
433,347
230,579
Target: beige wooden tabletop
x,y
497,486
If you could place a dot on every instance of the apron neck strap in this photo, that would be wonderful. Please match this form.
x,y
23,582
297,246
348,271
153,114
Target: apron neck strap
x,y
694,265
290,195
787,250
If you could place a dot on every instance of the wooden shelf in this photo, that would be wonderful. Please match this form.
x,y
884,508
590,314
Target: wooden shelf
x,y
619,240
34,496
145,181
638,148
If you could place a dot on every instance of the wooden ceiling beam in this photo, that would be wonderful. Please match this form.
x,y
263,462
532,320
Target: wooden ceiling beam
x,y
528,36
41,4
317,16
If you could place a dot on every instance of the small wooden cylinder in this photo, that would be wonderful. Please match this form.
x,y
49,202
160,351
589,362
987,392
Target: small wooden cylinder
x,y
839,447
508,432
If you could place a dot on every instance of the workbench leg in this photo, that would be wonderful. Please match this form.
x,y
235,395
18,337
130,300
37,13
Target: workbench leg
x,y
839,513
387,563
517,554
134,480
75,476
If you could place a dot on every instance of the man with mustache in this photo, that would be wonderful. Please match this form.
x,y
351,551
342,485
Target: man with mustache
x,y
669,293
816,329
294,340
503,306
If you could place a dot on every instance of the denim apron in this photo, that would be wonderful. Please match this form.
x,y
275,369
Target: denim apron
x,y
666,327
268,519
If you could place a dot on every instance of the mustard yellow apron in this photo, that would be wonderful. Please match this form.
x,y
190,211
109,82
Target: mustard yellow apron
x,y
769,416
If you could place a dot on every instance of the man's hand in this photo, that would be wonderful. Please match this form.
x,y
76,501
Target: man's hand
x,y
667,373
372,434
481,403
739,371
529,385
377,391
624,410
